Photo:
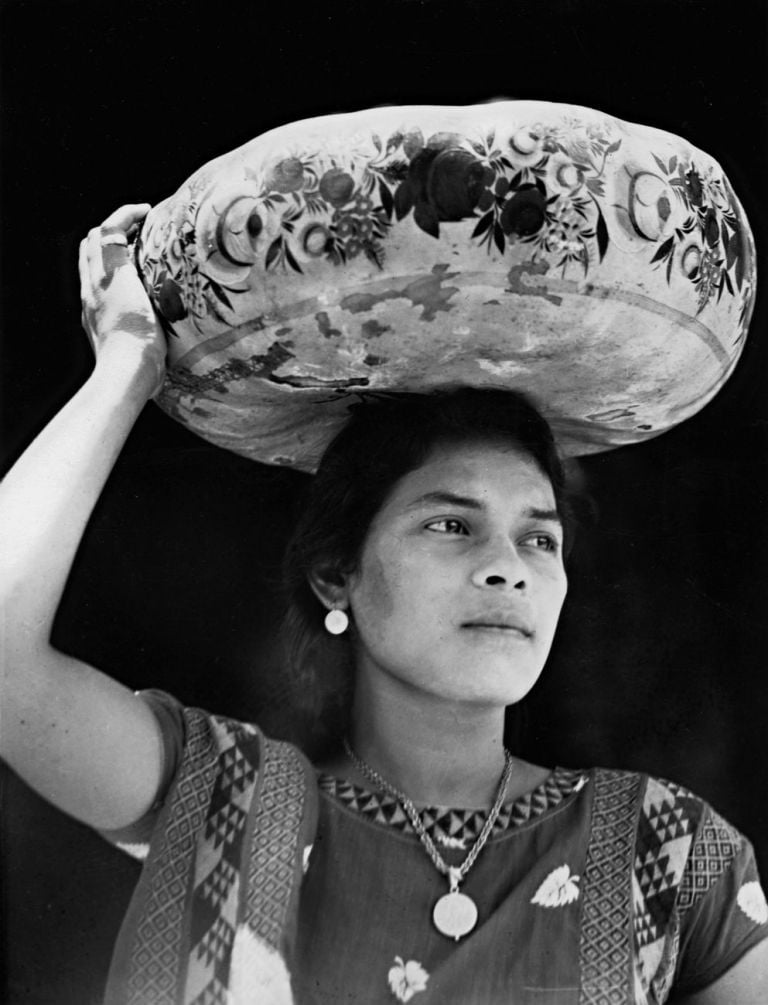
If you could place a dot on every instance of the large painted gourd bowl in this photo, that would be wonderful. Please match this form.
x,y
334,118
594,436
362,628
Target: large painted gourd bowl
x,y
604,268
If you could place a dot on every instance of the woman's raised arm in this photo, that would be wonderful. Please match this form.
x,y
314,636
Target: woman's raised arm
x,y
82,740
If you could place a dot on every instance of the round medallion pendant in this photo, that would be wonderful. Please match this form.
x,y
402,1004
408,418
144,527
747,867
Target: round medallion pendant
x,y
455,915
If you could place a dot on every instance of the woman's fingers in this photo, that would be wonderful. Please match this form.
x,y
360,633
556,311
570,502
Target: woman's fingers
x,y
110,293
82,260
114,254
126,218
86,289
116,306
108,244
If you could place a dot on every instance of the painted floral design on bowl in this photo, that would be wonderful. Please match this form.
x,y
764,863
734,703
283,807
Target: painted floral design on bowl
x,y
544,187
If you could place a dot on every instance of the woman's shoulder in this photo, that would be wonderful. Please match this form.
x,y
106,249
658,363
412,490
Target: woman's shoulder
x,y
665,802
695,879
184,725
665,810
216,759
682,847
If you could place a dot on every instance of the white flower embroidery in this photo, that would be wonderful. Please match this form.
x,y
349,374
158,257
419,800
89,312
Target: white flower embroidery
x,y
405,979
751,900
558,889
258,972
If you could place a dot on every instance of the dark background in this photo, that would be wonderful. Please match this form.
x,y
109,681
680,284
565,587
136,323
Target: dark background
x,y
661,656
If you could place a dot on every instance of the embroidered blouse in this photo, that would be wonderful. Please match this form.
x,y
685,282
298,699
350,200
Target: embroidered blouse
x,y
263,883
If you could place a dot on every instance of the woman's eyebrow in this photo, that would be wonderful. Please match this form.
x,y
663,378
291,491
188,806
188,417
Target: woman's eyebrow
x,y
443,498
544,514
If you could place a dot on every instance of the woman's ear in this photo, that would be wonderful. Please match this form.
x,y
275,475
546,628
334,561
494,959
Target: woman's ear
x,y
330,587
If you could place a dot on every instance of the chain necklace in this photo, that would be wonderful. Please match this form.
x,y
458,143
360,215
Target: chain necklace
x,y
454,914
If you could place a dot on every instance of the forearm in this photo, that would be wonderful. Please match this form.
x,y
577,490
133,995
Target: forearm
x,y
48,496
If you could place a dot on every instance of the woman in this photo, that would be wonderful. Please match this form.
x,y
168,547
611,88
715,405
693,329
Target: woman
x,y
418,859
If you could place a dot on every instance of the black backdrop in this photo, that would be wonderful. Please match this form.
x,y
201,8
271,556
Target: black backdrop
x,y
660,659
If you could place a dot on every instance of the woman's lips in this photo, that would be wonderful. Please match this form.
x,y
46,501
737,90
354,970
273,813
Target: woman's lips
x,y
502,627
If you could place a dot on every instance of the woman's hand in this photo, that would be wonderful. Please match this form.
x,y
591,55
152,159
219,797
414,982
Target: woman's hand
x,y
117,314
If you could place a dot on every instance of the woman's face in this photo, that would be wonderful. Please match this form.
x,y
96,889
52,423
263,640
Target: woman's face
x,y
461,578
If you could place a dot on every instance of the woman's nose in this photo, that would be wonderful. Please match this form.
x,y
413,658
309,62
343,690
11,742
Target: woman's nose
x,y
500,565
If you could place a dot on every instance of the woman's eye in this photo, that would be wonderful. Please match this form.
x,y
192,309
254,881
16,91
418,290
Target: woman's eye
x,y
447,526
543,541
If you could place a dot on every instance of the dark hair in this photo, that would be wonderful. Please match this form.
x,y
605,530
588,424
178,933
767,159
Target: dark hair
x,y
386,437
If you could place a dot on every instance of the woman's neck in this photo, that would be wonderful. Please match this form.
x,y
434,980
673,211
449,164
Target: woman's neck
x,y
436,752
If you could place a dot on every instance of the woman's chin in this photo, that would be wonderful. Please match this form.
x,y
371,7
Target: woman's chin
x,y
491,683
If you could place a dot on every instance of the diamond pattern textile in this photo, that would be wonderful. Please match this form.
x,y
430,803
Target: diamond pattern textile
x,y
605,947
234,816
